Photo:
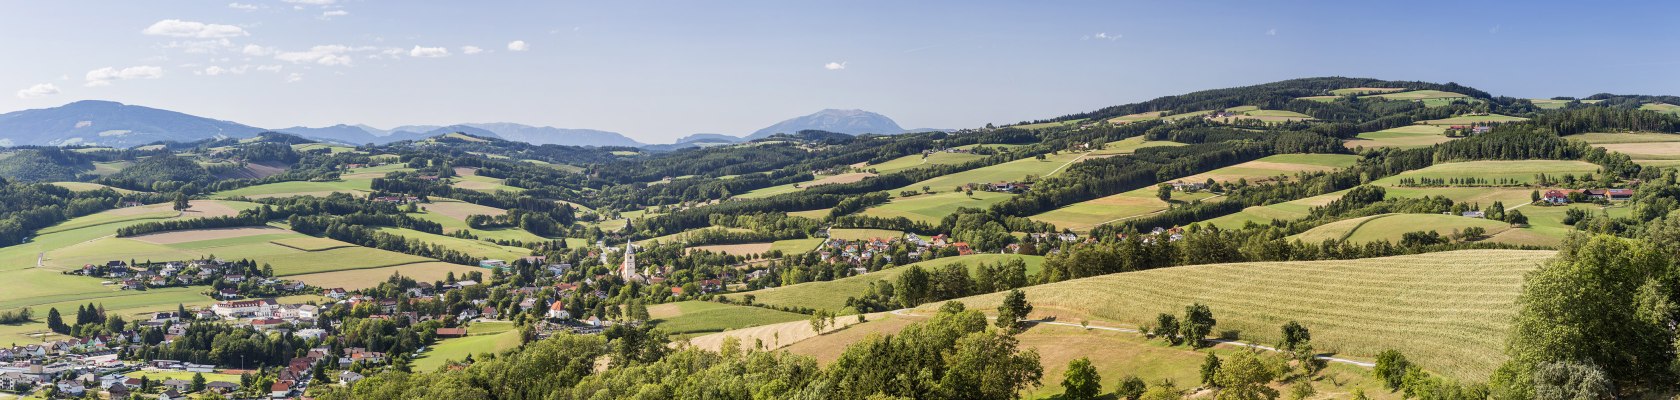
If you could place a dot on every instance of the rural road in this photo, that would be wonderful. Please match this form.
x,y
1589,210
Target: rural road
x,y
905,312
1070,162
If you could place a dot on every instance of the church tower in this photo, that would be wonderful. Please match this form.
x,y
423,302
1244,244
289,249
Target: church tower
x,y
628,269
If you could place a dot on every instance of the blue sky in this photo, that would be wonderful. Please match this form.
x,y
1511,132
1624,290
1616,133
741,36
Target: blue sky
x,y
659,70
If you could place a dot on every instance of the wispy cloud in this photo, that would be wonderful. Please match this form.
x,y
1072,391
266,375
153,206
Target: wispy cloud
x,y
330,55
333,13
835,66
245,7
311,2
471,50
38,91
518,45
104,76
294,77
1103,36
428,52
1494,30
193,29
1271,32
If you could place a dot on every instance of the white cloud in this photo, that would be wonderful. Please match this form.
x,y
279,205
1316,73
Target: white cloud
x,y
471,50
294,77
201,46
334,13
518,45
39,90
1103,36
270,68
258,51
835,66
311,2
245,7
104,76
332,54
191,29
219,70
1271,32
428,52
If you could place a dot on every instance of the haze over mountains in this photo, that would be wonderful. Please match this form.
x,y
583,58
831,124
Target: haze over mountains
x,y
106,123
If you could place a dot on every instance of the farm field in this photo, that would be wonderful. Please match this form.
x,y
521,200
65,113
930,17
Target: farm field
x,y
1430,98
1082,216
89,186
331,148
484,184
1449,312
1044,125
160,376
1114,354
1549,104
482,337
1129,118
931,207
735,249
688,318
1010,171
914,161
1523,171
72,291
683,236
1282,164
863,234
1285,211
1364,91
1129,145
451,224
796,246
1251,112
1546,226
1389,227
300,188
1484,196
831,295
426,271
1474,119
1639,146
1404,137
110,167
812,214
286,260
1661,107
799,186
475,248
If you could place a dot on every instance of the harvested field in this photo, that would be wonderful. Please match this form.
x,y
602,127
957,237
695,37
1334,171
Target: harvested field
x,y
207,234
311,243
371,277
459,209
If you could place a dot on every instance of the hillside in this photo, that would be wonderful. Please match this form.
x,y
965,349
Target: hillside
x,y
110,124
853,122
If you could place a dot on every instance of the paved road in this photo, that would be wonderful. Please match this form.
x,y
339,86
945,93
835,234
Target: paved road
x,y
905,312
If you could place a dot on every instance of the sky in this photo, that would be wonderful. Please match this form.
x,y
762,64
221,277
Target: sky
x,y
656,71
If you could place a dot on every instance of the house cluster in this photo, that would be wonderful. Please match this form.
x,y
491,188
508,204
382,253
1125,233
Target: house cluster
x,y
1566,196
1187,187
49,363
129,276
863,250
1473,129
397,199
1008,187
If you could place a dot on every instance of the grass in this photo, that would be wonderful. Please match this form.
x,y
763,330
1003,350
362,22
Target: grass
x,y
310,243
1523,171
1285,211
796,246
799,186
1404,137
1010,171
1661,107
354,279
285,260
1549,104
484,184
300,188
812,214
687,318
482,337
88,187
1082,216
160,376
475,248
1639,146
1129,145
1474,119
1044,125
1363,91
932,207
1142,116
1449,312
1417,95
831,295
1390,227
70,291
914,161
863,234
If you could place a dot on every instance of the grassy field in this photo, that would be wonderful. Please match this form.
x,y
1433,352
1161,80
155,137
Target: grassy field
x,y
1363,91
1389,227
863,234
799,186
300,188
1661,107
484,184
831,295
1430,98
1044,125
428,271
1130,118
796,246
1404,137
931,207
1474,119
1114,354
1522,171
88,187
1010,171
1639,146
687,318
482,337
1285,211
311,243
1449,312
1129,145
286,260
739,249
914,161
475,248
812,214
160,376
66,292
1549,104
1082,216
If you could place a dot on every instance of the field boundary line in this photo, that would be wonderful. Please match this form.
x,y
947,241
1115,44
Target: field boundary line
x,y
1070,162
1361,224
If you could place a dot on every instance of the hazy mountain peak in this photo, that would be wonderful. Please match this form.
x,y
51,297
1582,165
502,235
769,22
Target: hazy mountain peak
x,y
852,122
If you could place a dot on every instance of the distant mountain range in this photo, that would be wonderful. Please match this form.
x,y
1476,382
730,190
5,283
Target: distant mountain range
x,y
107,123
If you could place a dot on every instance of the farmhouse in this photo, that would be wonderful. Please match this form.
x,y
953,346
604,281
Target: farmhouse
x,y
1556,197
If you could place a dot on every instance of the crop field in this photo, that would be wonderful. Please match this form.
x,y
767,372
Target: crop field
x,y
1404,137
1285,211
160,376
931,207
428,271
1010,171
126,214
89,186
1549,104
1661,107
452,224
1523,171
1278,165
687,318
73,291
482,337
1639,146
736,249
311,243
1044,125
475,248
484,184
197,235
1484,196
300,188
1474,119
459,209
914,161
683,236
831,295
1129,145
110,167
798,186
1364,91
796,246
1449,312
1389,227
812,214
1129,118
1545,223
1251,112
863,234
331,148
1082,216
